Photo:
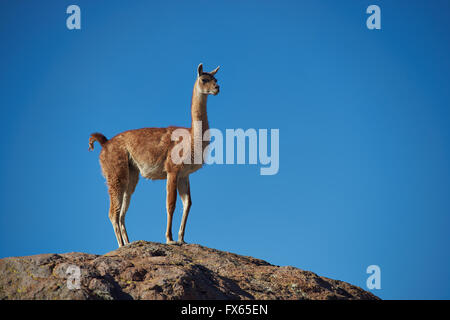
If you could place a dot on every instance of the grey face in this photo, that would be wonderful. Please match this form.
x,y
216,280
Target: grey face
x,y
208,84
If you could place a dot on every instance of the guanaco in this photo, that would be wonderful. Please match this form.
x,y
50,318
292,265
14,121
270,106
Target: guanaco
x,y
147,151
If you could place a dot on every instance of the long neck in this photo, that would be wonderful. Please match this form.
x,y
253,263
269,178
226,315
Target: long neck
x,y
198,111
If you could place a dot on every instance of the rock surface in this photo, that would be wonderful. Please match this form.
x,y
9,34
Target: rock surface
x,y
148,270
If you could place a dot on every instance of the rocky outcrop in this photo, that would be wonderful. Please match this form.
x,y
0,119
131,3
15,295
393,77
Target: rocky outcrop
x,y
147,270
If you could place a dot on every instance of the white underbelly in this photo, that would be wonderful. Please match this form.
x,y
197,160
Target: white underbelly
x,y
152,171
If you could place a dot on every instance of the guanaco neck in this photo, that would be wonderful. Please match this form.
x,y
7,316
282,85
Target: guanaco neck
x,y
198,112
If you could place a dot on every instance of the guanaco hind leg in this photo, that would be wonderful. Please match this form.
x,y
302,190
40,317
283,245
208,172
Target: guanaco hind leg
x,y
133,178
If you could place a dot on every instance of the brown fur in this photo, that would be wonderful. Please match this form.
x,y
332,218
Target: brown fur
x,y
148,151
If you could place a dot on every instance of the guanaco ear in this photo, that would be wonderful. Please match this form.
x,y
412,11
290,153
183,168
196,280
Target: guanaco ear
x,y
215,70
200,69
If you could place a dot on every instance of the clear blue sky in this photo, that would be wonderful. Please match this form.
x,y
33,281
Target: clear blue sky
x,y
363,116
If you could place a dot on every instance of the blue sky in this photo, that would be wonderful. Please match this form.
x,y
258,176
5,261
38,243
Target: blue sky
x,y
363,116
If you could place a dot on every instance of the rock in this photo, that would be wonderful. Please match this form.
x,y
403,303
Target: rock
x,y
147,270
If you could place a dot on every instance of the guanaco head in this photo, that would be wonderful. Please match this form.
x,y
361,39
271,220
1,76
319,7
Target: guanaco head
x,y
206,83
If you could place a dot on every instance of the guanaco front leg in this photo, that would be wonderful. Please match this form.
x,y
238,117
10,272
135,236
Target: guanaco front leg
x,y
185,195
170,204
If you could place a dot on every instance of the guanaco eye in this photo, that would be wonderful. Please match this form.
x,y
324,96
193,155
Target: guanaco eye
x,y
205,80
